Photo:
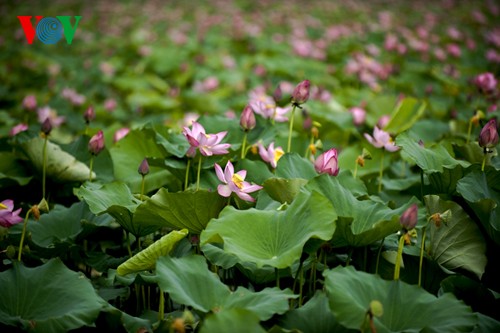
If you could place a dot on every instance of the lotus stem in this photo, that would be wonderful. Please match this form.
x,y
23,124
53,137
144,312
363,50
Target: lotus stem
x,y
469,132
142,187
290,130
422,246
44,165
301,285
198,175
381,172
161,310
90,167
243,146
484,161
277,277
22,235
129,250
399,257
186,179
378,255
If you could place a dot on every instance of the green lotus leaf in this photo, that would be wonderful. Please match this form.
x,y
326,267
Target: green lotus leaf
x,y
232,320
283,190
190,210
272,237
292,165
457,244
482,191
405,114
432,159
146,259
188,281
60,165
47,298
406,308
12,171
361,222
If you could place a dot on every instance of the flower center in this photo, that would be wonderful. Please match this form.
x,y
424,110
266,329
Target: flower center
x,y
237,180
2,206
277,154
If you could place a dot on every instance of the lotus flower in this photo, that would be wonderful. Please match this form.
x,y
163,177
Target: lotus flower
x,y
247,119
143,167
96,143
208,144
18,129
410,217
327,162
234,182
120,134
269,110
486,82
29,102
300,94
271,155
381,139
8,217
488,138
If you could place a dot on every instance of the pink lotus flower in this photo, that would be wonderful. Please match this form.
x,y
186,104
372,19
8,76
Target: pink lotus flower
x,y
29,102
300,94
96,143
234,182
271,155
381,139
269,110
247,119
208,144
120,134
8,217
488,138
409,218
47,112
18,129
358,115
486,82
89,114
327,162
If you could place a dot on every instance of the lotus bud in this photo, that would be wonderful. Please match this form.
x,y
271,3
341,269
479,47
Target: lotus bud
x,y
327,162
144,167
46,126
278,94
488,138
89,115
300,94
96,143
247,119
410,217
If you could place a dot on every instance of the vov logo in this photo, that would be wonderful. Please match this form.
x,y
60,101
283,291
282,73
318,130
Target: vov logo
x,y
49,30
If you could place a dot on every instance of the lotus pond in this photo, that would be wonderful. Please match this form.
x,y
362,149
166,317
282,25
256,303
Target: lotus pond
x,y
250,166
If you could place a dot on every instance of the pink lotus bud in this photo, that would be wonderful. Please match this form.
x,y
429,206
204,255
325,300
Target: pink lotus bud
x,y
46,126
120,134
18,129
144,167
410,217
29,102
327,162
300,94
488,138
96,143
358,115
89,115
247,120
486,82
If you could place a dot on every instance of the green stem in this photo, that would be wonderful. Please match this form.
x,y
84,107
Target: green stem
x,y
44,165
422,246
349,255
129,250
422,184
142,187
90,167
277,277
381,172
484,162
22,235
243,146
198,175
355,169
379,252
143,292
161,310
399,257
301,286
290,130
469,132
186,179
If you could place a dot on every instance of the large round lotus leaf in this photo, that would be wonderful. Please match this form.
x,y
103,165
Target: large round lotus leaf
x,y
457,243
146,259
272,237
406,308
233,320
47,298
60,165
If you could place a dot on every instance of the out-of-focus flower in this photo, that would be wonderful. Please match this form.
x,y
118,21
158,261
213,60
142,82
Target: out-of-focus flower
x,y
271,155
234,182
247,119
89,114
208,144
110,104
189,118
383,121
409,218
327,162
143,167
120,134
47,112
96,143
358,115
46,126
278,94
8,216
29,102
486,82
488,138
381,139
18,129
454,50
300,94
268,110
72,96
209,84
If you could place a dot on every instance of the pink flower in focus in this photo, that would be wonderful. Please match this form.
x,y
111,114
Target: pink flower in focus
x,y
208,144
8,217
271,155
234,182
381,139
327,162
120,134
18,129
29,102
488,138
358,115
